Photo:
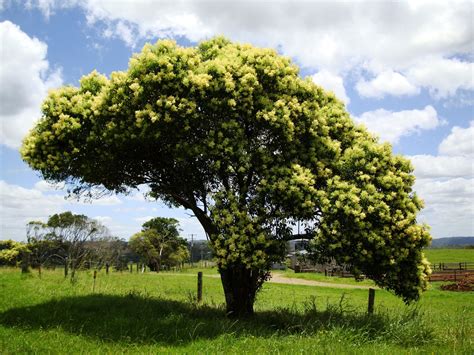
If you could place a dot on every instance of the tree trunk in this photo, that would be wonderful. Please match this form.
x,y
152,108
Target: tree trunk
x,y
240,287
73,269
25,261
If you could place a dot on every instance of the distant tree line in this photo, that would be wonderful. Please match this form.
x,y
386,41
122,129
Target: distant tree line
x,y
77,241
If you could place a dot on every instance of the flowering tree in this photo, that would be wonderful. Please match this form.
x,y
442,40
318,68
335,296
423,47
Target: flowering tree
x,y
232,133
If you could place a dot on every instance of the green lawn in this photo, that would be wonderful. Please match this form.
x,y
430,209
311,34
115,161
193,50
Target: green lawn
x,y
156,313
450,255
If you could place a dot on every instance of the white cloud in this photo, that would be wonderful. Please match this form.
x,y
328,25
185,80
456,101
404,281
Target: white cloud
x,y
391,126
103,200
331,82
418,40
459,142
446,183
48,7
18,206
449,206
45,186
103,219
429,166
25,78
386,83
443,77
190,225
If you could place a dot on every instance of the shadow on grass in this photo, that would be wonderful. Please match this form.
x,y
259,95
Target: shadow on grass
x,y
136,319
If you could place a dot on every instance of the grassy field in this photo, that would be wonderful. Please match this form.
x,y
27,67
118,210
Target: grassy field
x,y
450,255
156,313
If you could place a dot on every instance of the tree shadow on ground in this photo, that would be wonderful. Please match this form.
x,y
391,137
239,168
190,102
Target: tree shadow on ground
x,y
145,320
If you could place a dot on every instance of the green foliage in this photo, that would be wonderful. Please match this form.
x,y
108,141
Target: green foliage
x,y
64,238
159,243
11,252
232,132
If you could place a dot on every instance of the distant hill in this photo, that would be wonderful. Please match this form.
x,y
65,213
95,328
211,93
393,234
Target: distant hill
x,y
452,242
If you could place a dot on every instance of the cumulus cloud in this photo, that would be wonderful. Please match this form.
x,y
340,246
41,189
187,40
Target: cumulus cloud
x,y
45,186
190,225
19,205
459,142
103,219
446,183
331,82
25,78
320,35
391,126
429,166
443,77
386,83
449,209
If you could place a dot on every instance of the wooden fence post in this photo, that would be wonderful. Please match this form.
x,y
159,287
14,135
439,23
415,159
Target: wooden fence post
x,y
106,268
95,276
370,308
199,293
65,267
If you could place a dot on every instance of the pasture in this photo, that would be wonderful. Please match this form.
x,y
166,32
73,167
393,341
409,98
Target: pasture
x,y
436,256
154,313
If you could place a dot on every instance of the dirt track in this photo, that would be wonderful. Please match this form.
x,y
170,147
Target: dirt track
x,y
292,281
278,279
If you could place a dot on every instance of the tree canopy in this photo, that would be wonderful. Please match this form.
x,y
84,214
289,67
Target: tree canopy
x,y
65,236
159,243
233,133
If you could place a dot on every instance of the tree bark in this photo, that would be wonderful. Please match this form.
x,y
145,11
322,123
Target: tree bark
x,y
73,269
240,287
25,262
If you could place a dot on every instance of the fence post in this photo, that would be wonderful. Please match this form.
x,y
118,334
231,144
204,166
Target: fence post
x,y
131,267
106,268
95,276
65,267
370,308
199,293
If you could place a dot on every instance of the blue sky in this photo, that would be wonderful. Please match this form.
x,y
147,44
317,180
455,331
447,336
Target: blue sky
x,y
404,69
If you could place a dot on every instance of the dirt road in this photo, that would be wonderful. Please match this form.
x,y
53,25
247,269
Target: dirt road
x,y
276,278
279,279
